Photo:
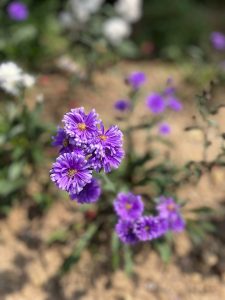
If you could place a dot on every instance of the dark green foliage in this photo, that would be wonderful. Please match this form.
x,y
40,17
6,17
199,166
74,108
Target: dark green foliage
x,y
172,26
34,40
23,137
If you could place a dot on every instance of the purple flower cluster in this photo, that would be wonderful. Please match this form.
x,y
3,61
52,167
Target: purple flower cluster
x,y
17,11
159,102
84,147
133,227
218,40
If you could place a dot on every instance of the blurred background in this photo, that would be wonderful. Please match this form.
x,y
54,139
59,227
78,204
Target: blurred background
x,y
78,53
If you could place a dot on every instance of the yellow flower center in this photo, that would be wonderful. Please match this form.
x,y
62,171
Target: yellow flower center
x,y
171,207
103,137
71,172
128,206
65,142
147,228
82,126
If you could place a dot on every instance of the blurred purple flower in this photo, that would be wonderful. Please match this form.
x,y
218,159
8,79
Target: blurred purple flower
x,y
169,91
128,206
125,231
218,40
122,105
136,79
164,128
169,210
147,228
174,104
17,11
156,103
90,193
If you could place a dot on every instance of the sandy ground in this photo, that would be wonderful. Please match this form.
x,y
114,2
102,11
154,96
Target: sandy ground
x,y
28,264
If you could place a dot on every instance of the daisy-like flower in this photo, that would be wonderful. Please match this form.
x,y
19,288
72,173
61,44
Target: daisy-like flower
x,y
136,80
164,128
28,80
218,40
116,30
125,231
156,103
71,172
12,78
122,105
90,193
17,11
82,127
169,210
83,9
130,10
128,206
147,228
108,151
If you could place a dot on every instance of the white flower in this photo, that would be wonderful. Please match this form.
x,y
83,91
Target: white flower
x,y
12,78
130,10
116,29
27,80
82,9
66,19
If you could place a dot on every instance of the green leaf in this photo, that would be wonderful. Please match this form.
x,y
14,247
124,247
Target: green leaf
x,y
204,210
128,49
15,170
77,251
164,250
7,187
128,262
59,236
115,245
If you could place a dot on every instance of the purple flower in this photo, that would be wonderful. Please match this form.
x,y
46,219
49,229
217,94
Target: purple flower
x,y
147,228
128,206
164,128
163,226
62,140
122,105
90,193
136,80
17,11
169,91
177,223
169,210
82,127
71,172
218,40
156,103
108,152
174,104
125,231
